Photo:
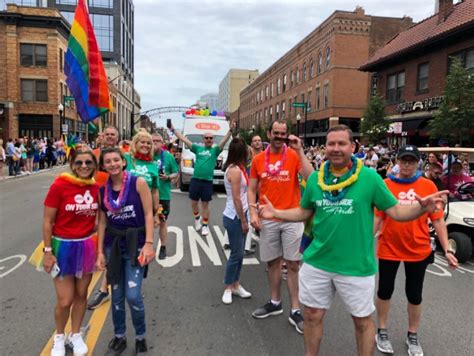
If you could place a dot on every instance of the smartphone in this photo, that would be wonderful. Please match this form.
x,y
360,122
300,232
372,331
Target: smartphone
x,y
162,171
168,123
54,271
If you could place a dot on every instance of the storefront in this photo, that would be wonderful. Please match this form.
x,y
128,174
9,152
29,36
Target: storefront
x,y
35,126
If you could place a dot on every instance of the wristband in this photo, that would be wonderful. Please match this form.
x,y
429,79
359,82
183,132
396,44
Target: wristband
x,y
449,251
47,249
149,242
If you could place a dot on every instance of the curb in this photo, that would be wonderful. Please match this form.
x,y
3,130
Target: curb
x,y
46,170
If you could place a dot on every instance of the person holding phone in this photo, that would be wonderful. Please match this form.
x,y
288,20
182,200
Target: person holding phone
x,y
70,211
125,244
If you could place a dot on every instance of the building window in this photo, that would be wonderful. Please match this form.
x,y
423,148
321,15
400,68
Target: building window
x,y
272,92
309,99
261,95
326,96
271,113
320,62
292,78
328,57
33,55
422,79
34,90
318,99
284,82
279,86
277,111
108,4
304,71
289,106
104,31
283,109
311,68
395,87
61,59
266,92
466,57
297,75
258,97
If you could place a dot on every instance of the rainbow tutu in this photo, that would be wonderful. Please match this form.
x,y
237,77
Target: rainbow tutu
x,y
75,257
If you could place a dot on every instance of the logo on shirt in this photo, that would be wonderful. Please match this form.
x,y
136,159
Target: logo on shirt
x,y
205,153
127,212
84,204
407,198
341,207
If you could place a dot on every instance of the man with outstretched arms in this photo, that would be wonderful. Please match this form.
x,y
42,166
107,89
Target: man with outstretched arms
x,y
341,257
201,186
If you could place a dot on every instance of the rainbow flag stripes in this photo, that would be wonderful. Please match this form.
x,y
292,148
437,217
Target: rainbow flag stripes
x,y
84,69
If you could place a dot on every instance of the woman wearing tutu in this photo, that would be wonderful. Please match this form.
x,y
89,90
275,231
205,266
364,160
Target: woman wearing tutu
x,y
126,243
70,211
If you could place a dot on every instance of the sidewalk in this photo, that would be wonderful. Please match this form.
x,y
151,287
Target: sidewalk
x,y
6,177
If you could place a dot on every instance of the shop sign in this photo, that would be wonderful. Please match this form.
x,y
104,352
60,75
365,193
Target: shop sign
x,y
427,104
395,127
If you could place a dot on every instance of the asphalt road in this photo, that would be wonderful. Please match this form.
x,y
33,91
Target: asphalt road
x,y
185,315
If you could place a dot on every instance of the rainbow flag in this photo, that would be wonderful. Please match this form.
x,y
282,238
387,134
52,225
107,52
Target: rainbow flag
x,y
84,68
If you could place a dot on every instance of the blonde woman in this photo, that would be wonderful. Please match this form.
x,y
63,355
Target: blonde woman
x,y
140,163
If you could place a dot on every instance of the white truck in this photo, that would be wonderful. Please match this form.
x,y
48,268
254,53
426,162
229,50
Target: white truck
x,y
195,126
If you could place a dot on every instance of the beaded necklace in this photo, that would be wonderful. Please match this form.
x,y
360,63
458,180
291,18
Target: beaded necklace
x,y
116,205
330,189
274,170
404,180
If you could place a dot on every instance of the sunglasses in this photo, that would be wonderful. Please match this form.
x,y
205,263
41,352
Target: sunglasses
x,y
208,138
88,163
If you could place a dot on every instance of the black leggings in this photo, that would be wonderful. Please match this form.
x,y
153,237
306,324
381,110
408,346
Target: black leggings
x,y
414,277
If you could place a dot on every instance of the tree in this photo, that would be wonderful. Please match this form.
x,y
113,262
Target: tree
x,y
375,125
454,121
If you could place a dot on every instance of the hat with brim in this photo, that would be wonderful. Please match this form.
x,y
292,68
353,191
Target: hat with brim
x,y
409,151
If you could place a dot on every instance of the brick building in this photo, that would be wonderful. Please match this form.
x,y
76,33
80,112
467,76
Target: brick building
x,y
322,71
33,42
410,70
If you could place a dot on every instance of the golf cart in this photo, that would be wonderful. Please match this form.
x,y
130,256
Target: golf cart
x,y
459,212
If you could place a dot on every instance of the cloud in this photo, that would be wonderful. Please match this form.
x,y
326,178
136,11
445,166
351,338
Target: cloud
x,y
183,49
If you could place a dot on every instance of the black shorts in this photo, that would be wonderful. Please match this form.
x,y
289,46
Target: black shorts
x,y
200,189
165,210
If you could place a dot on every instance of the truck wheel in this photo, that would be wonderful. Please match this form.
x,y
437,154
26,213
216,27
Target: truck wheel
x,y
183,187
462,244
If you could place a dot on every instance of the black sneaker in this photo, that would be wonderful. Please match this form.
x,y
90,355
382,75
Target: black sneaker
x,y
268,310
226,247
98,299
140,347
296,319
162,254
249,252
118,344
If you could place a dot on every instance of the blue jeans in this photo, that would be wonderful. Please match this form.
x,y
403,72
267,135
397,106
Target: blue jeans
x,y
237,247
130,288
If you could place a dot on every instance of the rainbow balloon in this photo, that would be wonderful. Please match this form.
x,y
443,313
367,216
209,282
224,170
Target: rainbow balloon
x,y
84,68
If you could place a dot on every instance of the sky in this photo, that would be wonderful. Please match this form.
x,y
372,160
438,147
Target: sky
x,y
184,48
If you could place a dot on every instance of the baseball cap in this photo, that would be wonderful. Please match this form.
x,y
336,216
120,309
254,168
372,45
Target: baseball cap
x,y
409,150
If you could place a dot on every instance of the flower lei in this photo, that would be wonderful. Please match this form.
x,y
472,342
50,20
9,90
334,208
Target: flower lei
x,y
76,180
142,157
404,180
274,171
324,180
109,202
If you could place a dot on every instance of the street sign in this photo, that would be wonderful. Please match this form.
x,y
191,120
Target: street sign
x,y
68,98
64,128
298,105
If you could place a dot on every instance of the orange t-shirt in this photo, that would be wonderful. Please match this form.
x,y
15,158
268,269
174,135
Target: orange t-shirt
x,y
283,190
407,241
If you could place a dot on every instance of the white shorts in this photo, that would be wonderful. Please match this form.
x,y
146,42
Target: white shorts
x,y
318,287
278,238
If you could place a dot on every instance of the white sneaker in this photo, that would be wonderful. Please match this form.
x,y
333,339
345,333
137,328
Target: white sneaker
x,y
227,296
78,345
59,347
241,292
205,230
197,224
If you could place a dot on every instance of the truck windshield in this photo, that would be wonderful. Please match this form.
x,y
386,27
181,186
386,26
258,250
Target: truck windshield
x,y
198,140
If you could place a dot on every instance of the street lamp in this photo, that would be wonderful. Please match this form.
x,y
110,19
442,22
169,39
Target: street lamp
x,y
61,112
298,119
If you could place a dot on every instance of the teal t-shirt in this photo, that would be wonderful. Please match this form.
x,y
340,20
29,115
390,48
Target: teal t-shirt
x,y
166,161
343,240
144,169
206,159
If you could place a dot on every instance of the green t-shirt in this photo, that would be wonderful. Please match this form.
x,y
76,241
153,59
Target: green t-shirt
x,y
169,167
206,159
343,240
144,169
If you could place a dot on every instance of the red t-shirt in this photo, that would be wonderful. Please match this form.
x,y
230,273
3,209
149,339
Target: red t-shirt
x,y
410,240
77,208
283,190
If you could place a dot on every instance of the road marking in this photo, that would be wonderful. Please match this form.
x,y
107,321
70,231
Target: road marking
x,y
96,323
171,261
222,196
220,237
208,247
47,348
22,259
